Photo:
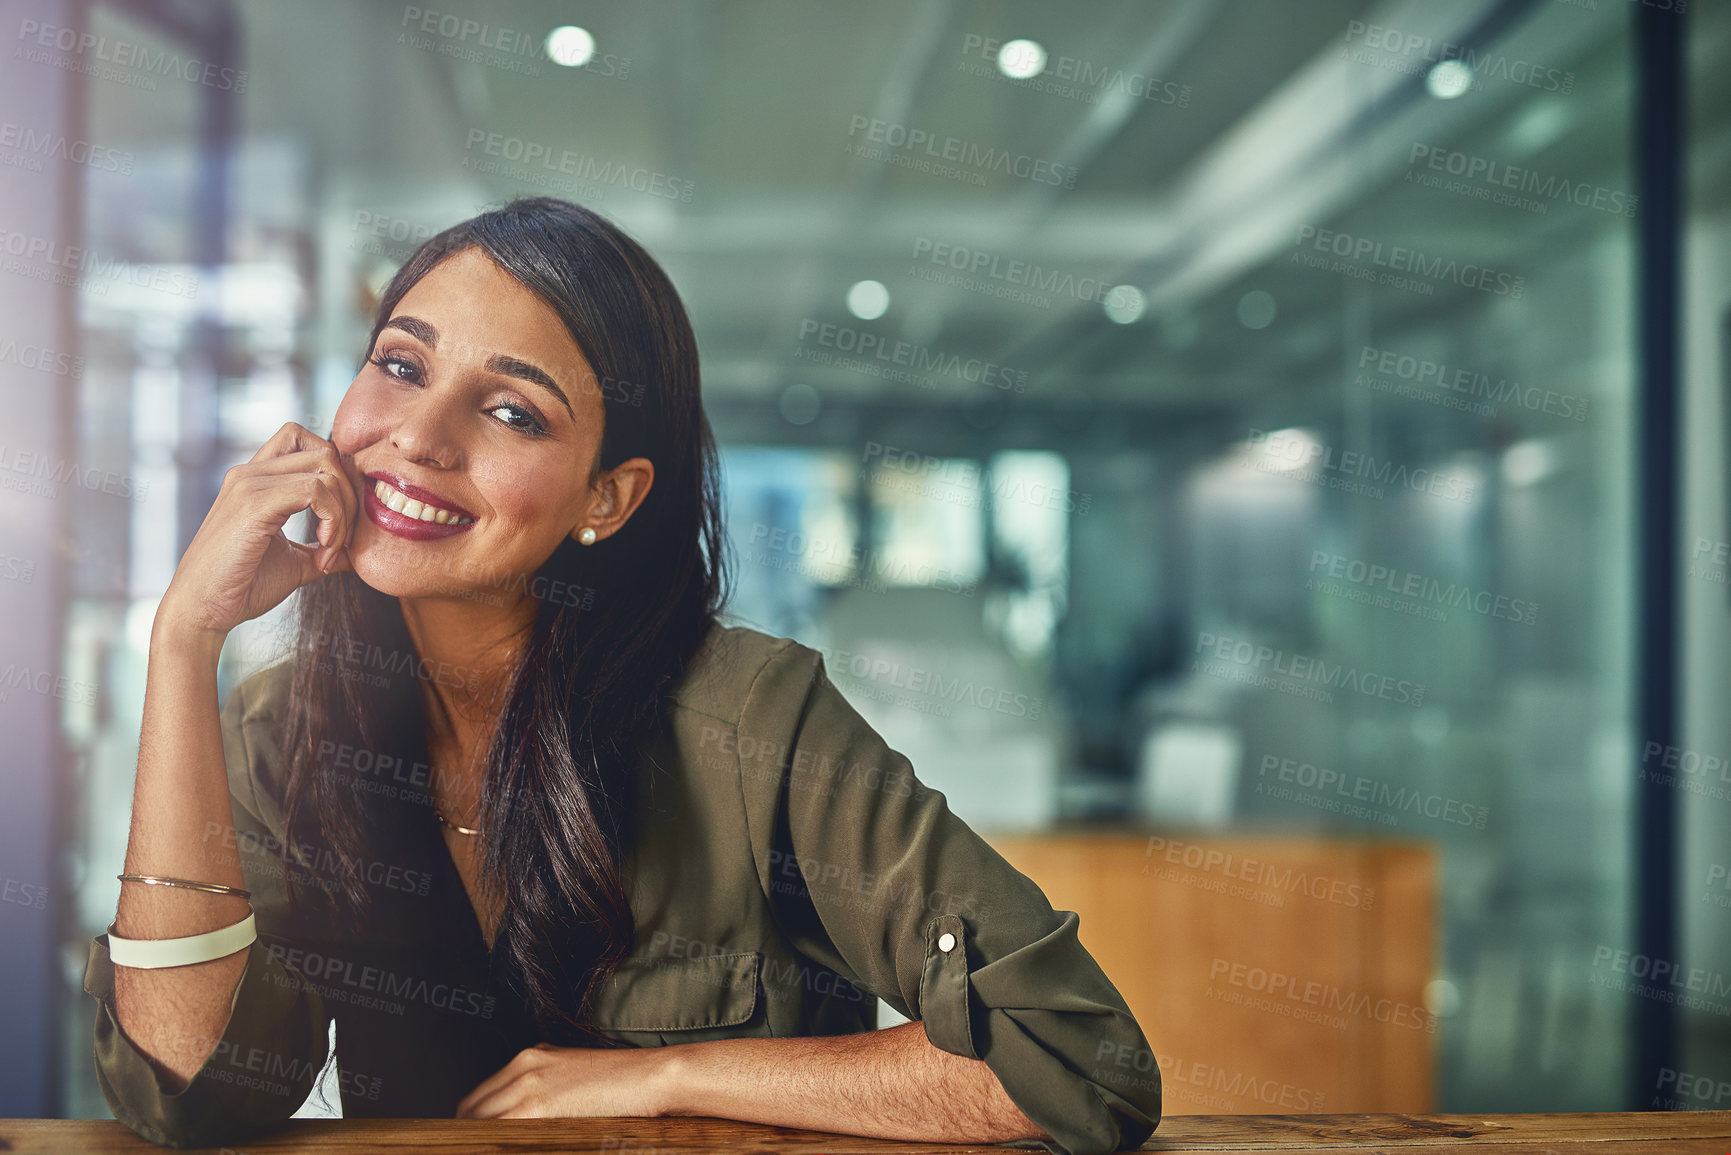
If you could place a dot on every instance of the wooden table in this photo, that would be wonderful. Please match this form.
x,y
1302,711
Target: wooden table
x,y
1657,1133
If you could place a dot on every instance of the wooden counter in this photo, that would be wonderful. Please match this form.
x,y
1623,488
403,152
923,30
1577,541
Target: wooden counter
x,y
1678,1133
1270,974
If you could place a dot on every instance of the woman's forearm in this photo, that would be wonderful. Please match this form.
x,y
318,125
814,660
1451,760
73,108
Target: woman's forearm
x,y
889,1084
176,1015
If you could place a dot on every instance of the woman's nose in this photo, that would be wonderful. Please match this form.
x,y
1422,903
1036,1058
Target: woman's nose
x,y
425,431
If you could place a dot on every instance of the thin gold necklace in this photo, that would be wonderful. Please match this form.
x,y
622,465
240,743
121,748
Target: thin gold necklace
x,y
453,825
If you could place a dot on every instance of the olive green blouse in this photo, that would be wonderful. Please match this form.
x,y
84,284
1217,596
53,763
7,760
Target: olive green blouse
x,y
788,869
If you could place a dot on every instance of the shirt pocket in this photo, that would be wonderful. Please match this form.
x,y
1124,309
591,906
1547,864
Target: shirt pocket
x,y
680,994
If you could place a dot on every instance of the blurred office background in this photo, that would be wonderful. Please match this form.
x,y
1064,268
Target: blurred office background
x,y
1230,427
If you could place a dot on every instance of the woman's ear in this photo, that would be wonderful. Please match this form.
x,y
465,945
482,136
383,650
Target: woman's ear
x,y
618,493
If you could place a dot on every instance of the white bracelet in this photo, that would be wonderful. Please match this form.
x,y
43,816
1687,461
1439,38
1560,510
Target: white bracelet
x,y
150,953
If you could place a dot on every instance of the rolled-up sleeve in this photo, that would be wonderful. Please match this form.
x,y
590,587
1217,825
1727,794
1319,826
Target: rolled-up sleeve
x,y
277,1036
901,897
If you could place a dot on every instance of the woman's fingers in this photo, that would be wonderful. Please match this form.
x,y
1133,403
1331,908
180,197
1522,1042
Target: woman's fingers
x,y
335,521
340,561
241,563
475,1101
274,498
294,447
506,1102
291,438
332,502
498,1079
319,459
319,492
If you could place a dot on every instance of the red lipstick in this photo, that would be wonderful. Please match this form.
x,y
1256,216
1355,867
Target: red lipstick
x,y
403,525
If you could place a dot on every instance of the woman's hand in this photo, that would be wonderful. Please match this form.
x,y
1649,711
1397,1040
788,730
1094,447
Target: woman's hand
x,y
240,563
565,1082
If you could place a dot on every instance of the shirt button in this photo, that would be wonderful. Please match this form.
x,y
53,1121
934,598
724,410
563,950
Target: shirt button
x,y
946,942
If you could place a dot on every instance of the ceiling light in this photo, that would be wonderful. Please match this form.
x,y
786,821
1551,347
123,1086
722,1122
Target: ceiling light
x,y
1288,451
1530,462
570,45
1256,309
1448,79
1020,59
800,404
1538,126
1125,304
868,300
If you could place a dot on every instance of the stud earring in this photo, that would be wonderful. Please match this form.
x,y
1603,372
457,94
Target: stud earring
x,y
587,537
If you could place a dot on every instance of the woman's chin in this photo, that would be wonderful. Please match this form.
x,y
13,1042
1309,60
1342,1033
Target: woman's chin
x,y
393,574
399,580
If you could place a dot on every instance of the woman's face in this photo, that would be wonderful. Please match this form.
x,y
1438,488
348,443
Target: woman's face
x,y
482,420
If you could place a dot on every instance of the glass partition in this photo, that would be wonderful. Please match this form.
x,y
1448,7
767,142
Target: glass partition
x,y
1206,420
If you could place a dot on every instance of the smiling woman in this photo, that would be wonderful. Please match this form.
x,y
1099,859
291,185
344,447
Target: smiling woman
x,y
502,816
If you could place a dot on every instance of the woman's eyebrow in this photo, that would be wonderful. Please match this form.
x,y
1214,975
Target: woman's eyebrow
x,y
416,328
522,370
497,363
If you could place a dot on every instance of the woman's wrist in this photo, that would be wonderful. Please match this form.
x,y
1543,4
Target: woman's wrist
x,y
671,1080
173,634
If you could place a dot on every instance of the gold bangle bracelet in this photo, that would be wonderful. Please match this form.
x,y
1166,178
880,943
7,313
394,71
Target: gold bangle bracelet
x,y
208,887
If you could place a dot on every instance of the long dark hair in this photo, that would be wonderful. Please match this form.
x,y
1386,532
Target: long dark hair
x,y
587,689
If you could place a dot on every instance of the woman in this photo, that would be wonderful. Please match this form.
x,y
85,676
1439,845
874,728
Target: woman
x,y
536,831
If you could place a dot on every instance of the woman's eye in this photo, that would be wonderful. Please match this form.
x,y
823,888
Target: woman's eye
x,y
525,420
397,367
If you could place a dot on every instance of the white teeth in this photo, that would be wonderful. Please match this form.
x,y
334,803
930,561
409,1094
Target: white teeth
x,y
395,499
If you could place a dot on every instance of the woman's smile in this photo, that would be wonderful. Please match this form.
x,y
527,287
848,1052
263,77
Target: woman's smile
x,y
407,510
393,510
